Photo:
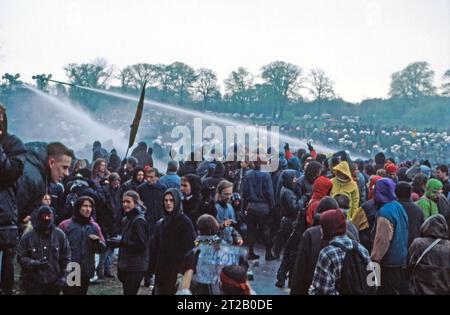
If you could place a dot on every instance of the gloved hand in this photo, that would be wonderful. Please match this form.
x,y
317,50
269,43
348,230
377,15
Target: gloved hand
x,y
310,147
39,264
62,283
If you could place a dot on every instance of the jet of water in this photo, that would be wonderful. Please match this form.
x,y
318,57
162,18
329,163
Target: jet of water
x,y
91,130
220,120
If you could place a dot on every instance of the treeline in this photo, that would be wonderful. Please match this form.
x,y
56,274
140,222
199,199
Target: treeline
x,y
284,90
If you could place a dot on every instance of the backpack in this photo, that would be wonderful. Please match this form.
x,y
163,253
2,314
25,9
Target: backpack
x,y
354,273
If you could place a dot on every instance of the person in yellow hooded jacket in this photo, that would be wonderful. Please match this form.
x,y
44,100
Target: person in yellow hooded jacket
x,y
344,184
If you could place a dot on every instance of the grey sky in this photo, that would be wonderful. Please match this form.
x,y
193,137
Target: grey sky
x,y
359,43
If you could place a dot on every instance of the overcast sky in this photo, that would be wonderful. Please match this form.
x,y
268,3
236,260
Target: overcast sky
x,y
359,43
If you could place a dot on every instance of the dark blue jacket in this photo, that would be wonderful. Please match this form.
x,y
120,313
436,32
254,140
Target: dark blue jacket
x,y
152,197
258,188
398,249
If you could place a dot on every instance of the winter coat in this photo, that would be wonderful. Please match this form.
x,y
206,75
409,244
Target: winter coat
x,y
289,203
113,214
32,186
133,250
152,197
432,274
349,188
35,246
258,189
311,244
173,237
82,248
12,162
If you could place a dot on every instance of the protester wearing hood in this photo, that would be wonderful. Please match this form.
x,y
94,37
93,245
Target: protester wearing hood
x,y
390,247
171,179
173,237
43,254
136,180
321,188
429,202
114,161
429,261
289,205
141,154
85,239
132,263
213,181
415,213
225,214
194,205
12,163
204,263
344,184
308,247
330,263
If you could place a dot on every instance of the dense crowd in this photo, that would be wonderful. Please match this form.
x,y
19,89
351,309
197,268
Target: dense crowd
x,y
193,229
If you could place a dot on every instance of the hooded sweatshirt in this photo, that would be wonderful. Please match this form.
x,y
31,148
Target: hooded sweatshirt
x,y
321,188
390,246
428,205
350,188
432,274
173,237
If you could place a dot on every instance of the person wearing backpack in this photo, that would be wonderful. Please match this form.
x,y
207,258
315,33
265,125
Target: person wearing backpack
x,y
341,267
429,259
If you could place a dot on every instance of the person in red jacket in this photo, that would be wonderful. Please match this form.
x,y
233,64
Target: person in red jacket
x,y
321,188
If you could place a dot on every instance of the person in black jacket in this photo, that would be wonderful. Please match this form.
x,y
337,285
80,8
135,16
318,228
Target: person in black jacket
x,y
289,205
12,162
136,180
85,239
195,203
151,193
132,263
43,254
173,237
415,213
